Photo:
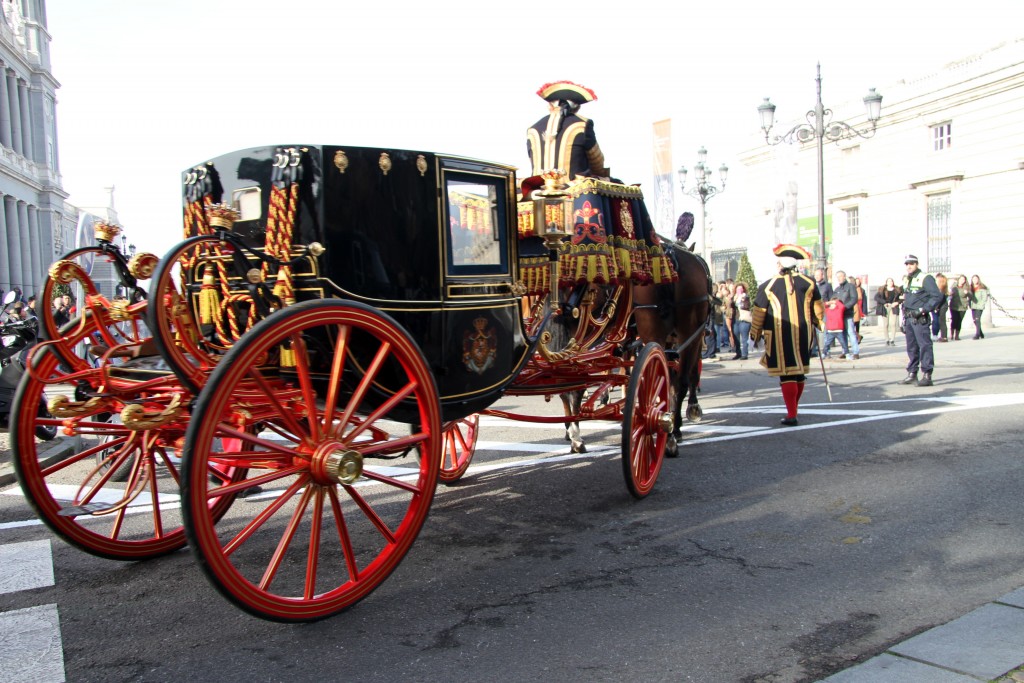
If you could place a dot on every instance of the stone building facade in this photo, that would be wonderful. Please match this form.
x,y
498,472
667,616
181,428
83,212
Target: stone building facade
x,y
32,210
942,178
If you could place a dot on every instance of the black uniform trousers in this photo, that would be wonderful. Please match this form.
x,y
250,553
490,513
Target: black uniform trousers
x,y
918,331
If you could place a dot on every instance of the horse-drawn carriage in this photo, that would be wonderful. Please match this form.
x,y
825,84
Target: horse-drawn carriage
x,y
321,344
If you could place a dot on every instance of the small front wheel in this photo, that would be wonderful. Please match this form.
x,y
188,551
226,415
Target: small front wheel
x,y
647,420
459,445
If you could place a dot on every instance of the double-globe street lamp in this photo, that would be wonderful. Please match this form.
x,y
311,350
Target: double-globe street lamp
x,y
703,191
820,127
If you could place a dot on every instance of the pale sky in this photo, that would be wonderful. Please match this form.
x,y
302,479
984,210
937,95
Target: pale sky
x,y
150,87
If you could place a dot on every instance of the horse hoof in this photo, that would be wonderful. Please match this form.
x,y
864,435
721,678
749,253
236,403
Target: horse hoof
x,y
579,448
671,447
694,413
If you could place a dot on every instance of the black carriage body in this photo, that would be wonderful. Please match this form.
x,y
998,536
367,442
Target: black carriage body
x,y
428,238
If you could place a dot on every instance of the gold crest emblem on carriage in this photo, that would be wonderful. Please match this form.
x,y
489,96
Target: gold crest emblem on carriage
x,y
479,346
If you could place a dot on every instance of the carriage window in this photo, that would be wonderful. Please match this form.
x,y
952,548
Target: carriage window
x,y
247,202
476,239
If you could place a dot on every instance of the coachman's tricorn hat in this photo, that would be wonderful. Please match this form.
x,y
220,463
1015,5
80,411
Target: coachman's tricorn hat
x,y
568,91
792,251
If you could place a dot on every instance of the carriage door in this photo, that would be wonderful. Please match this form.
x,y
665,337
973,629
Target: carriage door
x,y
483,339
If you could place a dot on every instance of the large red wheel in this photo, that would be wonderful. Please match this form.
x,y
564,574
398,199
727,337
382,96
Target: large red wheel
x,y
99,322
459,445
646,420
78,497
332,388
176,331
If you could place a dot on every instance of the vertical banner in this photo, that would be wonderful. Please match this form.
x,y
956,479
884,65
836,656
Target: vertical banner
x,y
664,210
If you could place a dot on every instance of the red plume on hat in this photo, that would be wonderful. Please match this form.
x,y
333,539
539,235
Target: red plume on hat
x,y
566,90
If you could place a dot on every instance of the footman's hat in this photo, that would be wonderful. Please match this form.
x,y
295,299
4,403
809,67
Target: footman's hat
x,y
909,258
792,251
568,91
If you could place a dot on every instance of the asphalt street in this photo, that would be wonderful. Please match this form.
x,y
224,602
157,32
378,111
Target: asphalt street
x,y
880,540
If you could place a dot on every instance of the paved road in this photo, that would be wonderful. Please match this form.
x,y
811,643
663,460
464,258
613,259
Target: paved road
x,y
764,554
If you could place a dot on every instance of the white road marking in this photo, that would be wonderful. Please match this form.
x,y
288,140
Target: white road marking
x,y
25,566
857,412
31,645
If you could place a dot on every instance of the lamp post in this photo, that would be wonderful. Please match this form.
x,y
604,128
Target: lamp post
x,y
820,127
703,191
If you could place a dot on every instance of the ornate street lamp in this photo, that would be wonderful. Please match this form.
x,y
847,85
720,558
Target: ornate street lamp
x,y
820,127
703,191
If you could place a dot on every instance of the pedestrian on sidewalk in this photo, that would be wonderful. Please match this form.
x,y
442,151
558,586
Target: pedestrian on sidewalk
x,y
939,315
959,304
920,297
887,306
979,298
741,325
787,309
846,292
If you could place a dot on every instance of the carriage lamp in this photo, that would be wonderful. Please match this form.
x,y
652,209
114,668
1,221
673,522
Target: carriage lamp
x,y
552,209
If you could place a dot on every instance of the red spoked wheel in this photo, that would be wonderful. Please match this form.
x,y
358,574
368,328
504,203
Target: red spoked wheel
x,y
646,421
177,332
459,445
98,322
332,387
77,496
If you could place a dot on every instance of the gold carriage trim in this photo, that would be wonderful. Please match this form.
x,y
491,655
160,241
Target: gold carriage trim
x,y
222,216
137,418
63,407
106,232
142,265
604,187
66,271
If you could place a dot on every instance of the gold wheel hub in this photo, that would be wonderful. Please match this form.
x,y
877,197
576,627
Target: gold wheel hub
x,y
334,463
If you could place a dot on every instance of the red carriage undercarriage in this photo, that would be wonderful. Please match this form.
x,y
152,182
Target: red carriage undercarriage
x,y
252,361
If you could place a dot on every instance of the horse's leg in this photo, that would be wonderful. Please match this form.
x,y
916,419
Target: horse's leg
x,y
693,410
571,403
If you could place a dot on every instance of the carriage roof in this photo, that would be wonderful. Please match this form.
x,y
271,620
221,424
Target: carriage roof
x,y
398,225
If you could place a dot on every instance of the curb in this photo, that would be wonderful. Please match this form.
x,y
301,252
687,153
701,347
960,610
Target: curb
x,y
62,449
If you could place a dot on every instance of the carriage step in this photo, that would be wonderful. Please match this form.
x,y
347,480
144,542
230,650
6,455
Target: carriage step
x,y
671,355
87,509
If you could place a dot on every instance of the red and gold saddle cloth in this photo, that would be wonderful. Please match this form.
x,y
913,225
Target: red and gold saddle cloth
x,y
613,241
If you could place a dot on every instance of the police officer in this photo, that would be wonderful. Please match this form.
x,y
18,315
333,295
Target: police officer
x,y
921,296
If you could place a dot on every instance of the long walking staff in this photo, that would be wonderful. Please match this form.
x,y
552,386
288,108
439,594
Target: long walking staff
x,y
821,359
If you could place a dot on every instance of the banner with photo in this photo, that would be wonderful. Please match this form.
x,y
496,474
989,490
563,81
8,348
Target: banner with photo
x,y
664,199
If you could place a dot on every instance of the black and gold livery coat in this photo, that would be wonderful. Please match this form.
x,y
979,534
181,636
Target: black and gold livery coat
x,y
786,309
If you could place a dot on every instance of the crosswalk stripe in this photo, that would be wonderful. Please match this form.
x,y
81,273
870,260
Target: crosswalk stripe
x,y
25,566
32,649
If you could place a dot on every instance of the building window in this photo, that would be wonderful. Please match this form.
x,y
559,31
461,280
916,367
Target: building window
x,y
852,221
942,136
726,263
939,206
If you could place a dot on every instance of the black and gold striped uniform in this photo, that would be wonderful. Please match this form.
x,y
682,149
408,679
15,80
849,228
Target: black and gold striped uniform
x,y
786,310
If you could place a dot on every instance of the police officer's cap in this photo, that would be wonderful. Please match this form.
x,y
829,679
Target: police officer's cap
x,y
910,258
793,251
568,91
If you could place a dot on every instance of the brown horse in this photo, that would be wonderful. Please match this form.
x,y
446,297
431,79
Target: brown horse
x,y
673,315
